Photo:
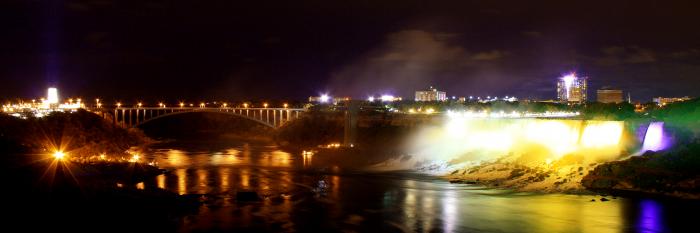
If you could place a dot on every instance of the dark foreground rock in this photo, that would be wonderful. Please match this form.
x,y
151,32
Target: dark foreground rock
x,y
669,173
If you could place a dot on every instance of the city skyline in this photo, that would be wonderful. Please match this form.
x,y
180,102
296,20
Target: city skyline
x,y
220,51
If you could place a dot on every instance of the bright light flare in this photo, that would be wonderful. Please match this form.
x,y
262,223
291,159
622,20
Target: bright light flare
x,y
325,98
569,82
59,155
52,97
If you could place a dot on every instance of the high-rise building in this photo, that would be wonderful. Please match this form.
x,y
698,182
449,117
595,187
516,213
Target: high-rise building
x,y
609,95
572,89
431,94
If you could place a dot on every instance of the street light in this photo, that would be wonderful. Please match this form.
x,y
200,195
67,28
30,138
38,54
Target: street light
x,y
140,104
182,104
119,104
285,105
202,105
265,105
245,105
225,105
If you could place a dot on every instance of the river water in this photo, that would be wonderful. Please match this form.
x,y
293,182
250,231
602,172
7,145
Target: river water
x,y
297,194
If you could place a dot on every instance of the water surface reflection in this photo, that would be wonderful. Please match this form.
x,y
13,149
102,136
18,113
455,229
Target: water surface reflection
x,y
298,194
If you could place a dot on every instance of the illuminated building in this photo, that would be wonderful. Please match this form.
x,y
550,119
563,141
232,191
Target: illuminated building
x,y
52,96
662,101
608,95
572,89
431,94
320,99
328,99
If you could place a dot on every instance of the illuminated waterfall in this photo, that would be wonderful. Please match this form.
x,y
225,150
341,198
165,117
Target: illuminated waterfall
x,y
654,139
465,140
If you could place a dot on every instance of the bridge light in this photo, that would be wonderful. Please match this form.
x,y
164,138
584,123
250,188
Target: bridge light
x,y
160,104
285,105
245,105
265,105
182,104
225,105
139,104
119,104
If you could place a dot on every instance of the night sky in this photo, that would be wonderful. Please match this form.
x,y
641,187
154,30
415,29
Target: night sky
x,y
239,50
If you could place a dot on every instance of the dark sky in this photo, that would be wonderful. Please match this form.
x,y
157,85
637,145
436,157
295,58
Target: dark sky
x,y
236,50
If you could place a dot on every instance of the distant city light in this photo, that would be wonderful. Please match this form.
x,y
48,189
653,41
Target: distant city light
x,y
514,114
370,99
325,98
387,98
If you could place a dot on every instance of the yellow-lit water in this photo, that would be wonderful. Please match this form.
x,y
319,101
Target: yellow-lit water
x,y
474,139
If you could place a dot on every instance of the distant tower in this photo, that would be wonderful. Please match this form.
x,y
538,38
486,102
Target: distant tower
x,y
629,97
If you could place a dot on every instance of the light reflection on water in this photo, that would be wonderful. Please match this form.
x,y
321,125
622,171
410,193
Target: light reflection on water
x,y
370,202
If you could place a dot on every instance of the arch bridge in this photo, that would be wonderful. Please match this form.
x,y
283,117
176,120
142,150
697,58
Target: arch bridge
x,y
272,117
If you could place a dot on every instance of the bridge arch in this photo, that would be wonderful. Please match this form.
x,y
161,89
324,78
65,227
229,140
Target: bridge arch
x,y
270,117
261,122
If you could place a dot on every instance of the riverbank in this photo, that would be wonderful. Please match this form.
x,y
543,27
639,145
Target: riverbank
x,y
78,172
670,173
